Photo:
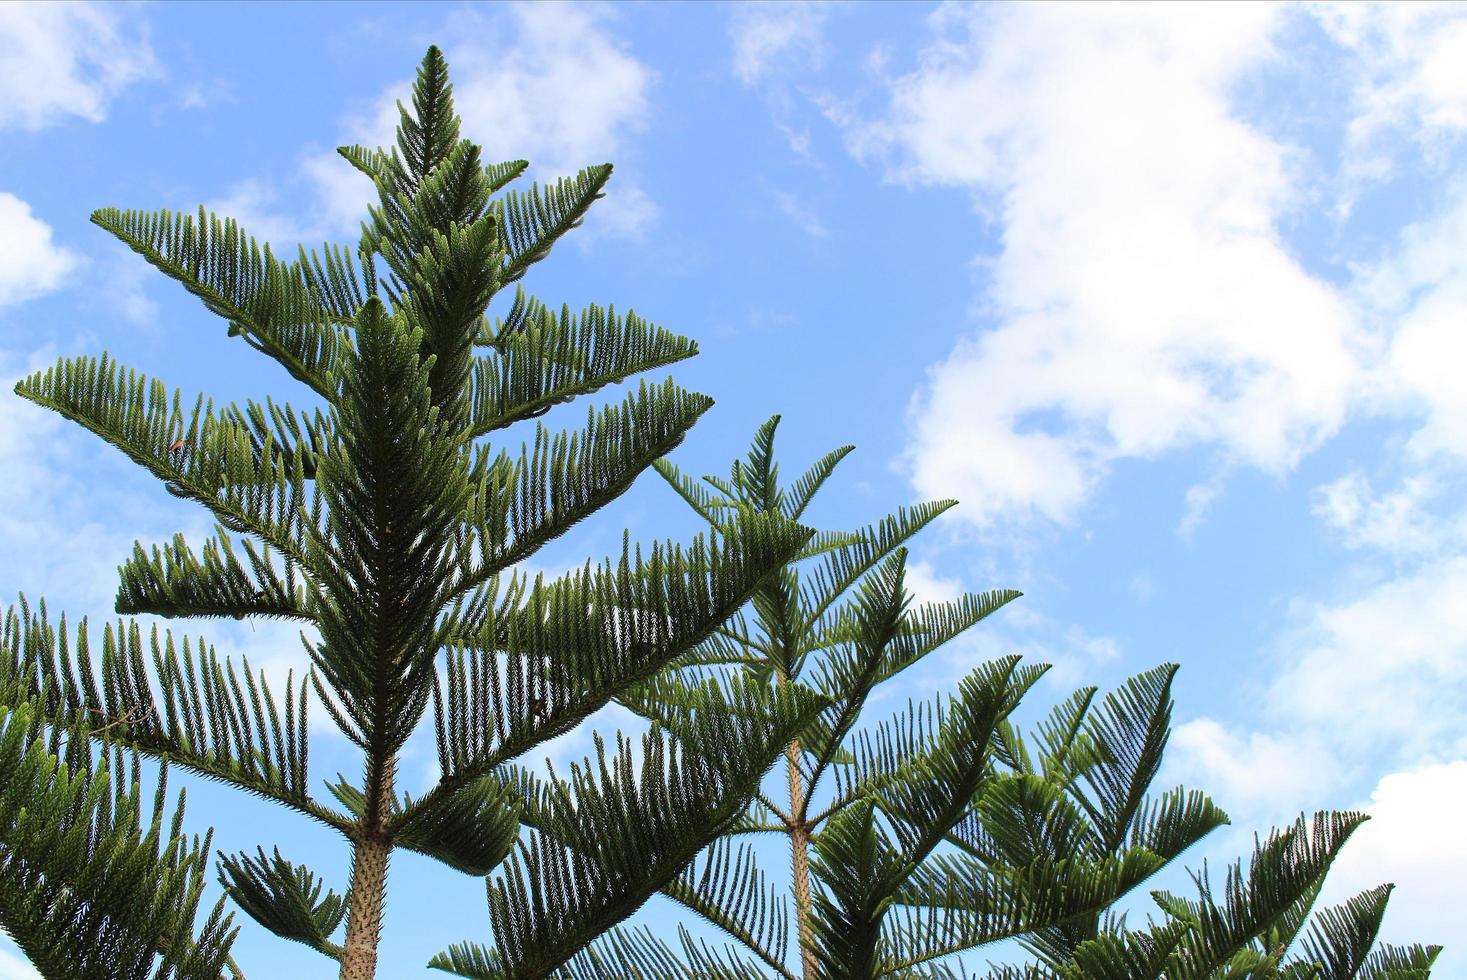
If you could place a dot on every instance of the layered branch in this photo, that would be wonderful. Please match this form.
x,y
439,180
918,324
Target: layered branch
x,y
280,310
620,831
194,710
577,642
544,360
212,459
90,888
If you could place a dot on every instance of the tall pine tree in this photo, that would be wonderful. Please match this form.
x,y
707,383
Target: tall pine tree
x,y
389,517
942,830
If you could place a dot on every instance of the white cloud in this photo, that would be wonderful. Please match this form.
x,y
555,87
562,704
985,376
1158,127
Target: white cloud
x,y
251,203
1400,522
776,49
927,585
1413,839
1199,499
548,84
1417,293
1135,204
1256,772
775,37
31,264
67,59
1411,80
1385,671
1075,656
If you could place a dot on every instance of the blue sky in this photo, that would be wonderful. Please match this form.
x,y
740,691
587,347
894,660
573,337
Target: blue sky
x,y
1172,299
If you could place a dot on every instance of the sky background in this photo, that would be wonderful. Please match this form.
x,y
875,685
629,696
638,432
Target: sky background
x,y
1173,299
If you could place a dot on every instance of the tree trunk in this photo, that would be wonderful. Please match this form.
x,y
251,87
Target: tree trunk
x,y
800,860
368,888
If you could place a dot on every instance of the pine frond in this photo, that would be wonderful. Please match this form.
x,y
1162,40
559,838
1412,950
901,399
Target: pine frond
x,y
272,306
201,456
802,491
1400,963
1287,864
469,960
928,627
472,830
395,485
1127,956
637,954
89,888
759,479
935,792
532,222
621,830
858,870
581,640
962,907
848,676
371,163
1132,727
1340,938
553,360
843,567
467,258
1170,824
565,477
199,714
174,581
284,898
1066,750
726,888
431,130
282,431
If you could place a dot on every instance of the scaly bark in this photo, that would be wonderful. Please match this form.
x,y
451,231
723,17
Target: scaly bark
x,y
368,888
799,833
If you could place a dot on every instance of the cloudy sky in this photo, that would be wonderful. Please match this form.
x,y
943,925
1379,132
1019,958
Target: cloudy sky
x,y
1172,299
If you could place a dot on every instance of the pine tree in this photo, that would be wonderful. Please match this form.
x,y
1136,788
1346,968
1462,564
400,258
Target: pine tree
x,y
380,518
946,831
839,630
1081,795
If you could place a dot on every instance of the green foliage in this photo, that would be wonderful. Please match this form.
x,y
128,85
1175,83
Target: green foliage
x,y
837,621
946,830
380,520
88,887
1080,795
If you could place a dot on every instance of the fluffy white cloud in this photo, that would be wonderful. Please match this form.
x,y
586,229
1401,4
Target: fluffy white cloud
x,y
927,585
67,59
1413,839
31,264
1142,300
549,84
1254,772
1418,292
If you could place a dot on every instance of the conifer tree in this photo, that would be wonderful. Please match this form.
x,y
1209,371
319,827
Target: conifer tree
x,y
380,518
840,629
1080,793
946,831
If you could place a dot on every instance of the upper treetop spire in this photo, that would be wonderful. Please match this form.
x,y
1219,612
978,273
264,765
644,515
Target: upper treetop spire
x,y
427,139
